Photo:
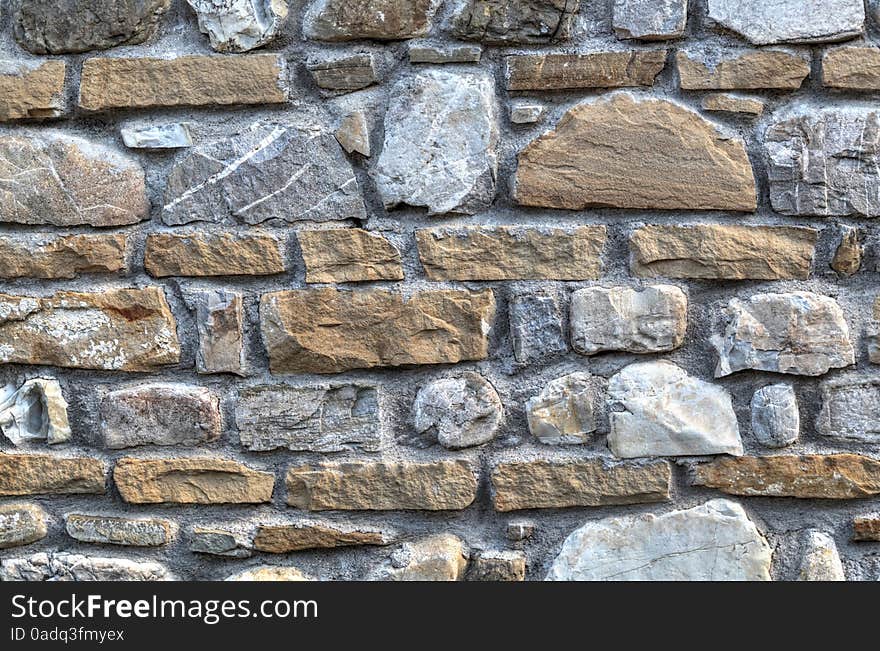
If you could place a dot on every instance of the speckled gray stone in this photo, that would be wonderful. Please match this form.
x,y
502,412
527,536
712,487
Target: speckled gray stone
x,y
790,21
775,418
649,20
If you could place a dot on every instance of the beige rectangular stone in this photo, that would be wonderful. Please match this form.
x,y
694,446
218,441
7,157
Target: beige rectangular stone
x,y
31,90
286,538
43,474
591,70
742,70
851,68
212,254
66,256
346,255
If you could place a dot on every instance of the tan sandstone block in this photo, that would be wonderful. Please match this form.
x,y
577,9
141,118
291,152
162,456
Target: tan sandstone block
x,y
43,474
31,90
212,254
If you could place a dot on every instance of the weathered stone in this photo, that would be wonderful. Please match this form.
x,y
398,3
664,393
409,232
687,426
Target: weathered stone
x,y
427,53
345,255
519,530
536,327
354,134
799,333
820,561
345,74
741,70
70,26
59,566
715,541
21,524
442,557
823,163
515,21
190,80
657,409
512,253
790,21
331,331
316,418
722,252
265,172
212,254
592,70
647,320
866,528
494,565
118,531
382,486
542,484
873,334
67,181
382,20
848,255
649,20
565,411
42,474
220,323
776,421
174,135
269,573
240,25
31,90
35,411
441,133
285,538
459,412
851,68
160,414
219,542
625,153
522,113
808,476
851,409
725,103
197,480
64,256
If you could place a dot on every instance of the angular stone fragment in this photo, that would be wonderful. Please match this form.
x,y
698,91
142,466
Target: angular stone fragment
x,y
715,541
21,524
35,411
441,134
219,542
848,255
269,573
512,253
873,334
542,484
331,331
174,135
64,256
526,113
59,566
866,528
285,538
382,20
67,181
442,557
426,53
196,480
592,70
649,20
50,27
494,565
536,327
354,134
346,255
790,21
267,171
220,323
648,320
808,476
41,474
159,414
382,486
316,418
501,22
725,103
799,333
190,80
741,70
721,252
565,411
776,422
621,152
820,561
851,409
212,254
31,90
118,531
240,25
459,412
519,530
345,74
657,409
851,68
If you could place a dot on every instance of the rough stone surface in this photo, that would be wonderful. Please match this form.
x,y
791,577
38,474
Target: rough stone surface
x,y
345,255
593,70
785,21
726,103
427,53
649,20
866,528
741,70
821,561
536,327
523,113
851,68
565,411
715,541
57,566
34,412
442,557
219,318
495,565
62,257
212,254
219,542
42,474
354,134
285,538
382,20
21,524
459,412
344,74
851,409
174,135
240,25
848,255
31,91
515,21
776,421
270,573
129,532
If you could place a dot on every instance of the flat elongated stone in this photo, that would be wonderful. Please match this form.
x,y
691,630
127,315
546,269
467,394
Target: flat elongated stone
x,y
196,480
67,181
42,474
591,70
382,20
495,565
267,171
851,409
820,561
515,21
442,557
722,252
851,68
118,329
526,113
269,573
21,524
228,542
715,541
382,486
285,538
58,566
866,528
775,418
808,476
128,532
512,253
427,53
220,324
65,256
741,70
345,255
649,20
625,153
785,21
212,254
330,331
726,103
536,327
345,74
459,412
565,411
35,411
174,135
31,91
544,484
800,333
240,25
190,80
317,418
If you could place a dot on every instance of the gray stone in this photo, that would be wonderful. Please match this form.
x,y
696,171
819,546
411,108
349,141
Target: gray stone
x,y
648,320
790,21
345,74
118,531
565,410
460,412
219,320
442,557
649,20
174,135
240,25
383,20
354,133
317,418
160,414
522,113
799,333
515,21
21,524
536,326
218,542
425,53
776,422
58,566
820,561
441,132
519,530
35,411
293,173
851,409
657,409
715,541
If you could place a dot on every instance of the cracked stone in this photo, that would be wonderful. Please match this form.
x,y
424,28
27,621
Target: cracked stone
x,y
776,421
35,411
354,133
128,532
58,566
345,74
442,557
741,69
820,561
382,20
285,538
565,411
240,25
31,90
850,409
536,326
783,21
21,524
649,20
591,70
460,412
174,135
500,22
219,318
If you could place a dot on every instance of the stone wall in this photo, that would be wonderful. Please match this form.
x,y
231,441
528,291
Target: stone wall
x,y
444,289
